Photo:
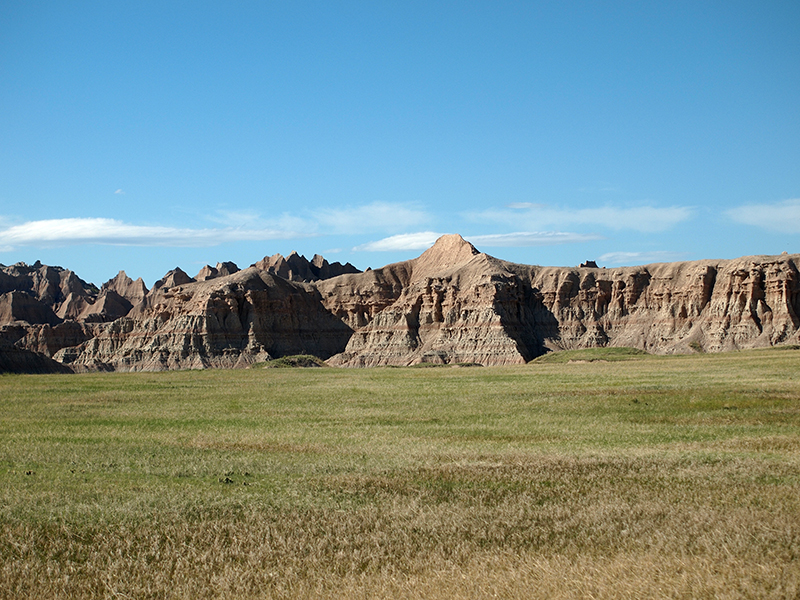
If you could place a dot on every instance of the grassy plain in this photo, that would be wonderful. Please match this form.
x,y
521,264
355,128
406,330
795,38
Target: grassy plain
x,y
642,477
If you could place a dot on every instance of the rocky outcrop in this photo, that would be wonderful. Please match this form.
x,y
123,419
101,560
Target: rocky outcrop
x,y
19,307
133,291
52,286
296,267
174,277
229,321
450,305
14,359
221,270
673,307
109,306
453,304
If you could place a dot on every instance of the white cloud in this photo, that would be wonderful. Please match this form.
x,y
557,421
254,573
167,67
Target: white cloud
x,y
405,241
119,191
426,239
535,216
524,205
530,238
640,258
377,216
113,232
783,217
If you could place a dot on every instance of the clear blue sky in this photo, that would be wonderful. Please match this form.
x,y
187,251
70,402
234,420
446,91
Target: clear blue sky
x,y
148,135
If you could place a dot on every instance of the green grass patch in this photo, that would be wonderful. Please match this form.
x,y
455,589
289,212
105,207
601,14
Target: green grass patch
x,y
654,476
590,354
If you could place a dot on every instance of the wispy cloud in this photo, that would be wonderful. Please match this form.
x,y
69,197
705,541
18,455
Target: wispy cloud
x,y
640,258
233,226
119,191
524,205
385,217
783,217
377,216
534,216
404,241
425,239
531,238
55,232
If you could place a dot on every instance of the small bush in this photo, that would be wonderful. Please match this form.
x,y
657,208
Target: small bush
x,y
295,361
591,355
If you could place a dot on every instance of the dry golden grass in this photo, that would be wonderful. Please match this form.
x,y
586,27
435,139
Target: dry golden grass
x,y
655,477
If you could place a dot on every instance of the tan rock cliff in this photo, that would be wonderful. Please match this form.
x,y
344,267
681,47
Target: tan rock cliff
x,y
453,304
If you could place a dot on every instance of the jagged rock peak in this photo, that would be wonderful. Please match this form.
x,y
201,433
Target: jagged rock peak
x,y
174,277
448,252
132,291
226,268
223,269
319,261
297,267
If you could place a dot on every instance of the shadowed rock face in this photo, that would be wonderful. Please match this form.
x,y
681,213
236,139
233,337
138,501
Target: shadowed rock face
x,y
14,359
452,304
19,307
54,287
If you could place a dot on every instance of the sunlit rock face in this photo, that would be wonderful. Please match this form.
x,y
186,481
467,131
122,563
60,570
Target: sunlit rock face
x,y
453,304
227,321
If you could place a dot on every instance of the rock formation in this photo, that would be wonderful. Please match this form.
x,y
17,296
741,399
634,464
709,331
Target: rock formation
x,y
296,267
221,270
221,322
174,277
133,291
453,304
14,359
450,305
52,286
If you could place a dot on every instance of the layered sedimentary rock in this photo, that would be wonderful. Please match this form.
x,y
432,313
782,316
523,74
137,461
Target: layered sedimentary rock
x,y
19,307
453,304
222,322
672,307
450,305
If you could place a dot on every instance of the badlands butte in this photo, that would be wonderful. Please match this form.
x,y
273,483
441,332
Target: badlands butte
x,y
453,304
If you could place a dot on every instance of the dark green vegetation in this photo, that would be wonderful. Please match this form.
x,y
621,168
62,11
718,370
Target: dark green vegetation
x,y
648,477
294,361
589,355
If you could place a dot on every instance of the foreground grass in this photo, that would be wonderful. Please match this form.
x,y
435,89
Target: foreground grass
x,y
650,477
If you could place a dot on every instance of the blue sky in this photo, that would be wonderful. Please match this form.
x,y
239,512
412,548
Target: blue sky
x,y
143,136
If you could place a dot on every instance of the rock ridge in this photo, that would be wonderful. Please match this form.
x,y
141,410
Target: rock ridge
x,y
452,304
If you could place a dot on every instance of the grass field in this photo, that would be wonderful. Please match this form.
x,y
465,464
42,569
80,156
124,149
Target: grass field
x,y
639,477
